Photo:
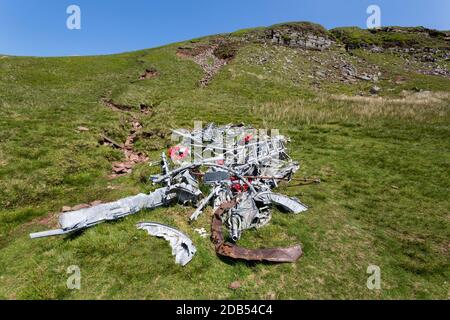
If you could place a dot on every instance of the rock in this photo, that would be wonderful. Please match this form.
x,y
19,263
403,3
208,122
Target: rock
x,y
320,74
82,129
80,206
95,203
399,79
375,90
234,285
364,77
291,37
122,167
376,49
348,70
428,58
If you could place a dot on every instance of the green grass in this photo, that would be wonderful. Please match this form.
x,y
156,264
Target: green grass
x,y
384,167
407,37
302,26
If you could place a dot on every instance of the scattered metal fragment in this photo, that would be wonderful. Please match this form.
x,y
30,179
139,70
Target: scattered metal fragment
x,y
239,164
204,203
291,205
80,219
223,248
202,232
182,247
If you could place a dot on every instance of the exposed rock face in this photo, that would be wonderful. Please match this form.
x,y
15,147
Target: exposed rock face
x,y
432,60
422,50
302,35
298,39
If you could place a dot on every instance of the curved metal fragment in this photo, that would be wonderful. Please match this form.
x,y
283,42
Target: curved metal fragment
x,y
182,247
288,254
289,204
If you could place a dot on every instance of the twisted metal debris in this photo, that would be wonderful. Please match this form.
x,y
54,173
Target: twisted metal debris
x,y
182,247
241,166
231,250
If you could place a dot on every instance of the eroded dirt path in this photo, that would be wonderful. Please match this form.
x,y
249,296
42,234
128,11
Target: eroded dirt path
x,y
205,57
132,157
210,57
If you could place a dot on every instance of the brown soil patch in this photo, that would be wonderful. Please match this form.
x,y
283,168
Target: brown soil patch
x,y
144,108
50,220
189,52
149,74
132,157
155,133
116,106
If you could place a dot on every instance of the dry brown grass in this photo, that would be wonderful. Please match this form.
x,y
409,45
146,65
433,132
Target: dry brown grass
x,y
418,107
405,98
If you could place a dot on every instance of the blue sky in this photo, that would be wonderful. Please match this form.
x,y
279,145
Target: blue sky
x,y
112,26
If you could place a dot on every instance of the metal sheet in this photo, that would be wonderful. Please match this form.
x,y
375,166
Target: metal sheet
x,y
182,247
288,254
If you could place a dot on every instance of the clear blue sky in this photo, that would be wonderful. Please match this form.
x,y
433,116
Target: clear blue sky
x,y
110,26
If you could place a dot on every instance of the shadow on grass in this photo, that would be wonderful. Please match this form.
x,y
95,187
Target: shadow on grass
x,y
232,262
75,234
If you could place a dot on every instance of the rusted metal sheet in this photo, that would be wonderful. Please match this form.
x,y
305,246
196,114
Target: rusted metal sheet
x,y
287,254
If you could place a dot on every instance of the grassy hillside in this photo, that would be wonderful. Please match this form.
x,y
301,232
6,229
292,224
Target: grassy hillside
x,y
383,158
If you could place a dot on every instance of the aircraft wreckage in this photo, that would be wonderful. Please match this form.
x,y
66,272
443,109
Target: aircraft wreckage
x,y
241,165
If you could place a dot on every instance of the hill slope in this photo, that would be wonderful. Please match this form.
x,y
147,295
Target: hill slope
x,y
367,112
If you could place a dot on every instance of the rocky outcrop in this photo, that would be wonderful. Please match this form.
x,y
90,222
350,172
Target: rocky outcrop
x,y
298,39
302,35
